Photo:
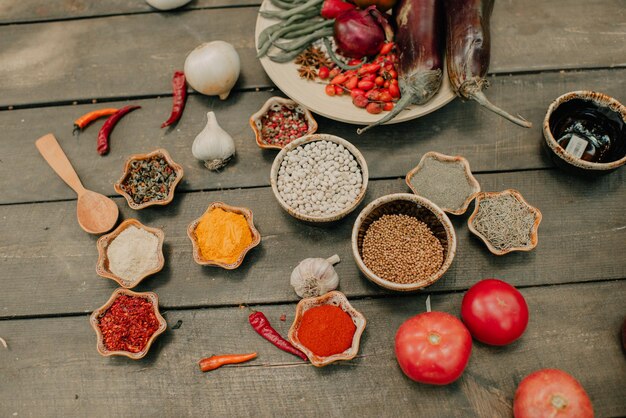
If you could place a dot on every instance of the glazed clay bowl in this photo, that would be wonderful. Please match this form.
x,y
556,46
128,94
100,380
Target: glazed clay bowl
x,y
95,318
102,266
469,178
610,113
412,205
331,298
276,103
197,254
306,140
138,157
534,237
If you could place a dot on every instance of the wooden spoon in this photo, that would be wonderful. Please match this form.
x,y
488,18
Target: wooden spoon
x,y
96,213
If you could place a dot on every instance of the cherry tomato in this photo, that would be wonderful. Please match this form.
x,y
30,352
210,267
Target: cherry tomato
x,y
494,312
352,82
394,90
374,108
360,101
323,72
386,48
433,347
330,90
551,393
388,106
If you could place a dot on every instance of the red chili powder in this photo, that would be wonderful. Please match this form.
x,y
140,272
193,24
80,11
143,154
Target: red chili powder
x,y
326,330
128,324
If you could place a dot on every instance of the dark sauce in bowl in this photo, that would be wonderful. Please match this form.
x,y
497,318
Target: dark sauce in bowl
x,y
589,131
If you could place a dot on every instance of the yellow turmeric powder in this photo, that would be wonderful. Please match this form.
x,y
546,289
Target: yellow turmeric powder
x,y
222,235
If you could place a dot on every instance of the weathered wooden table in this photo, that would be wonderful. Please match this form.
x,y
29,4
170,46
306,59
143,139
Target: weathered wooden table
x,y
57,59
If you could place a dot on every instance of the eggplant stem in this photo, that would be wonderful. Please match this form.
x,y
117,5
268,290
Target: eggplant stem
x,y
480,97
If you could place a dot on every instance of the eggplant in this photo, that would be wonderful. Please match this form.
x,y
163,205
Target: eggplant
x,y
468,52
419,36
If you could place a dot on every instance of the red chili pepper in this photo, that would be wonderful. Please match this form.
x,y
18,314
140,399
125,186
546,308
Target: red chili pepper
x,y
103,135
214,362
179,91
84,121
261,324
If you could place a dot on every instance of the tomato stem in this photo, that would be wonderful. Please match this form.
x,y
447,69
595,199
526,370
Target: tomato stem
x,y
434,338
559,402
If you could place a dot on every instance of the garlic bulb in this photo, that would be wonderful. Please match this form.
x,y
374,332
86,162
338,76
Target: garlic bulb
x,y
213,68
315,276
167,4
213,145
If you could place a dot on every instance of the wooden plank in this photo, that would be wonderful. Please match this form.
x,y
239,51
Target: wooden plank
x,y
487,141
48,262
126,56
52,367
25,11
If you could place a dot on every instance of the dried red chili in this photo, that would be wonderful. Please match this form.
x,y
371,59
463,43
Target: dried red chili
x,y
84,121
105,131
179,94
261,324
128,324
326,330
215,362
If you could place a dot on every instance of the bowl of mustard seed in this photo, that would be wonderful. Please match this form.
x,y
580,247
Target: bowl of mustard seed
x,y
403,242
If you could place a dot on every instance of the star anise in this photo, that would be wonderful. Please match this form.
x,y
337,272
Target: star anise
x,y
305,58
307,72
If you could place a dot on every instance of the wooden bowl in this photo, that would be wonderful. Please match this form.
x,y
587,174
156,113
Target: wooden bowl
x,y
534,239
331,298
102,267
255,120
94,320
405,204
447,159
160,152
313,138
197,255
611,109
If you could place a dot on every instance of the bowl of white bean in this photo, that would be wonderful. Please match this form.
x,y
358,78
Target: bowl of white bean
x,y
319,178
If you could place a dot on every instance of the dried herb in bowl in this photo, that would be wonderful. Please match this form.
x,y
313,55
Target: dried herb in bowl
x,y
149,180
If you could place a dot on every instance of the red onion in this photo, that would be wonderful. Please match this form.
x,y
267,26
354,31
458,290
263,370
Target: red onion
x,y
360,33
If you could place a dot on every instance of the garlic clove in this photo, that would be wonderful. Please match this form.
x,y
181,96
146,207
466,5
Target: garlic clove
x,y
315,276
213,145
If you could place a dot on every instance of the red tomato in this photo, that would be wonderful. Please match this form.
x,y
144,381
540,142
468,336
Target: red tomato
x,y
433,347
494,312
551,393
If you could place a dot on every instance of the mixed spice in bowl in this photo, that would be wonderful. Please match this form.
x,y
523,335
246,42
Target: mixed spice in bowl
x,y
281,121
223,235
403,242
128,324
319,178
327,328
149,179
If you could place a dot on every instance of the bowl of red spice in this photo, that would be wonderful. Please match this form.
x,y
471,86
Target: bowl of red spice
x,y
128,324
281,121
149,179
403,242
223,235
327,328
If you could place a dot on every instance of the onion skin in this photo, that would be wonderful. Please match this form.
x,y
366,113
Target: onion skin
x,y
468,51
420,53
358,34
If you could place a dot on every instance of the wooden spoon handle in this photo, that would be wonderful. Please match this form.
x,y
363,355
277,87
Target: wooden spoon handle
x,y
54,155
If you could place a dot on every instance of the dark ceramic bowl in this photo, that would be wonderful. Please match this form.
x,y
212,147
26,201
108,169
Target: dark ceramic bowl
x,y
594,109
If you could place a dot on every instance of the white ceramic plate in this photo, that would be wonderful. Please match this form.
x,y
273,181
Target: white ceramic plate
x,y
311,95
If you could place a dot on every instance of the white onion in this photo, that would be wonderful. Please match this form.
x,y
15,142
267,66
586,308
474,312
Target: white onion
x,y
213,68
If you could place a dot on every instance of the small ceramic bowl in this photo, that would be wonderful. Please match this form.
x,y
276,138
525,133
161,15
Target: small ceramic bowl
x,y
95,318
534,239
469,178
159,152
276,103
331,298
102,267
313,138
417,207
197,254
608,111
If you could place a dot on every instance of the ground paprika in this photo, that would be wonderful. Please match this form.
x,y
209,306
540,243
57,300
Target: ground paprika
x,y
326,330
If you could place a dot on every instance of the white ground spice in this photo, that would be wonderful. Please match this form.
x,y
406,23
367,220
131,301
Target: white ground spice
x,y
319,178
444,183
133,252
504,221
401,249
